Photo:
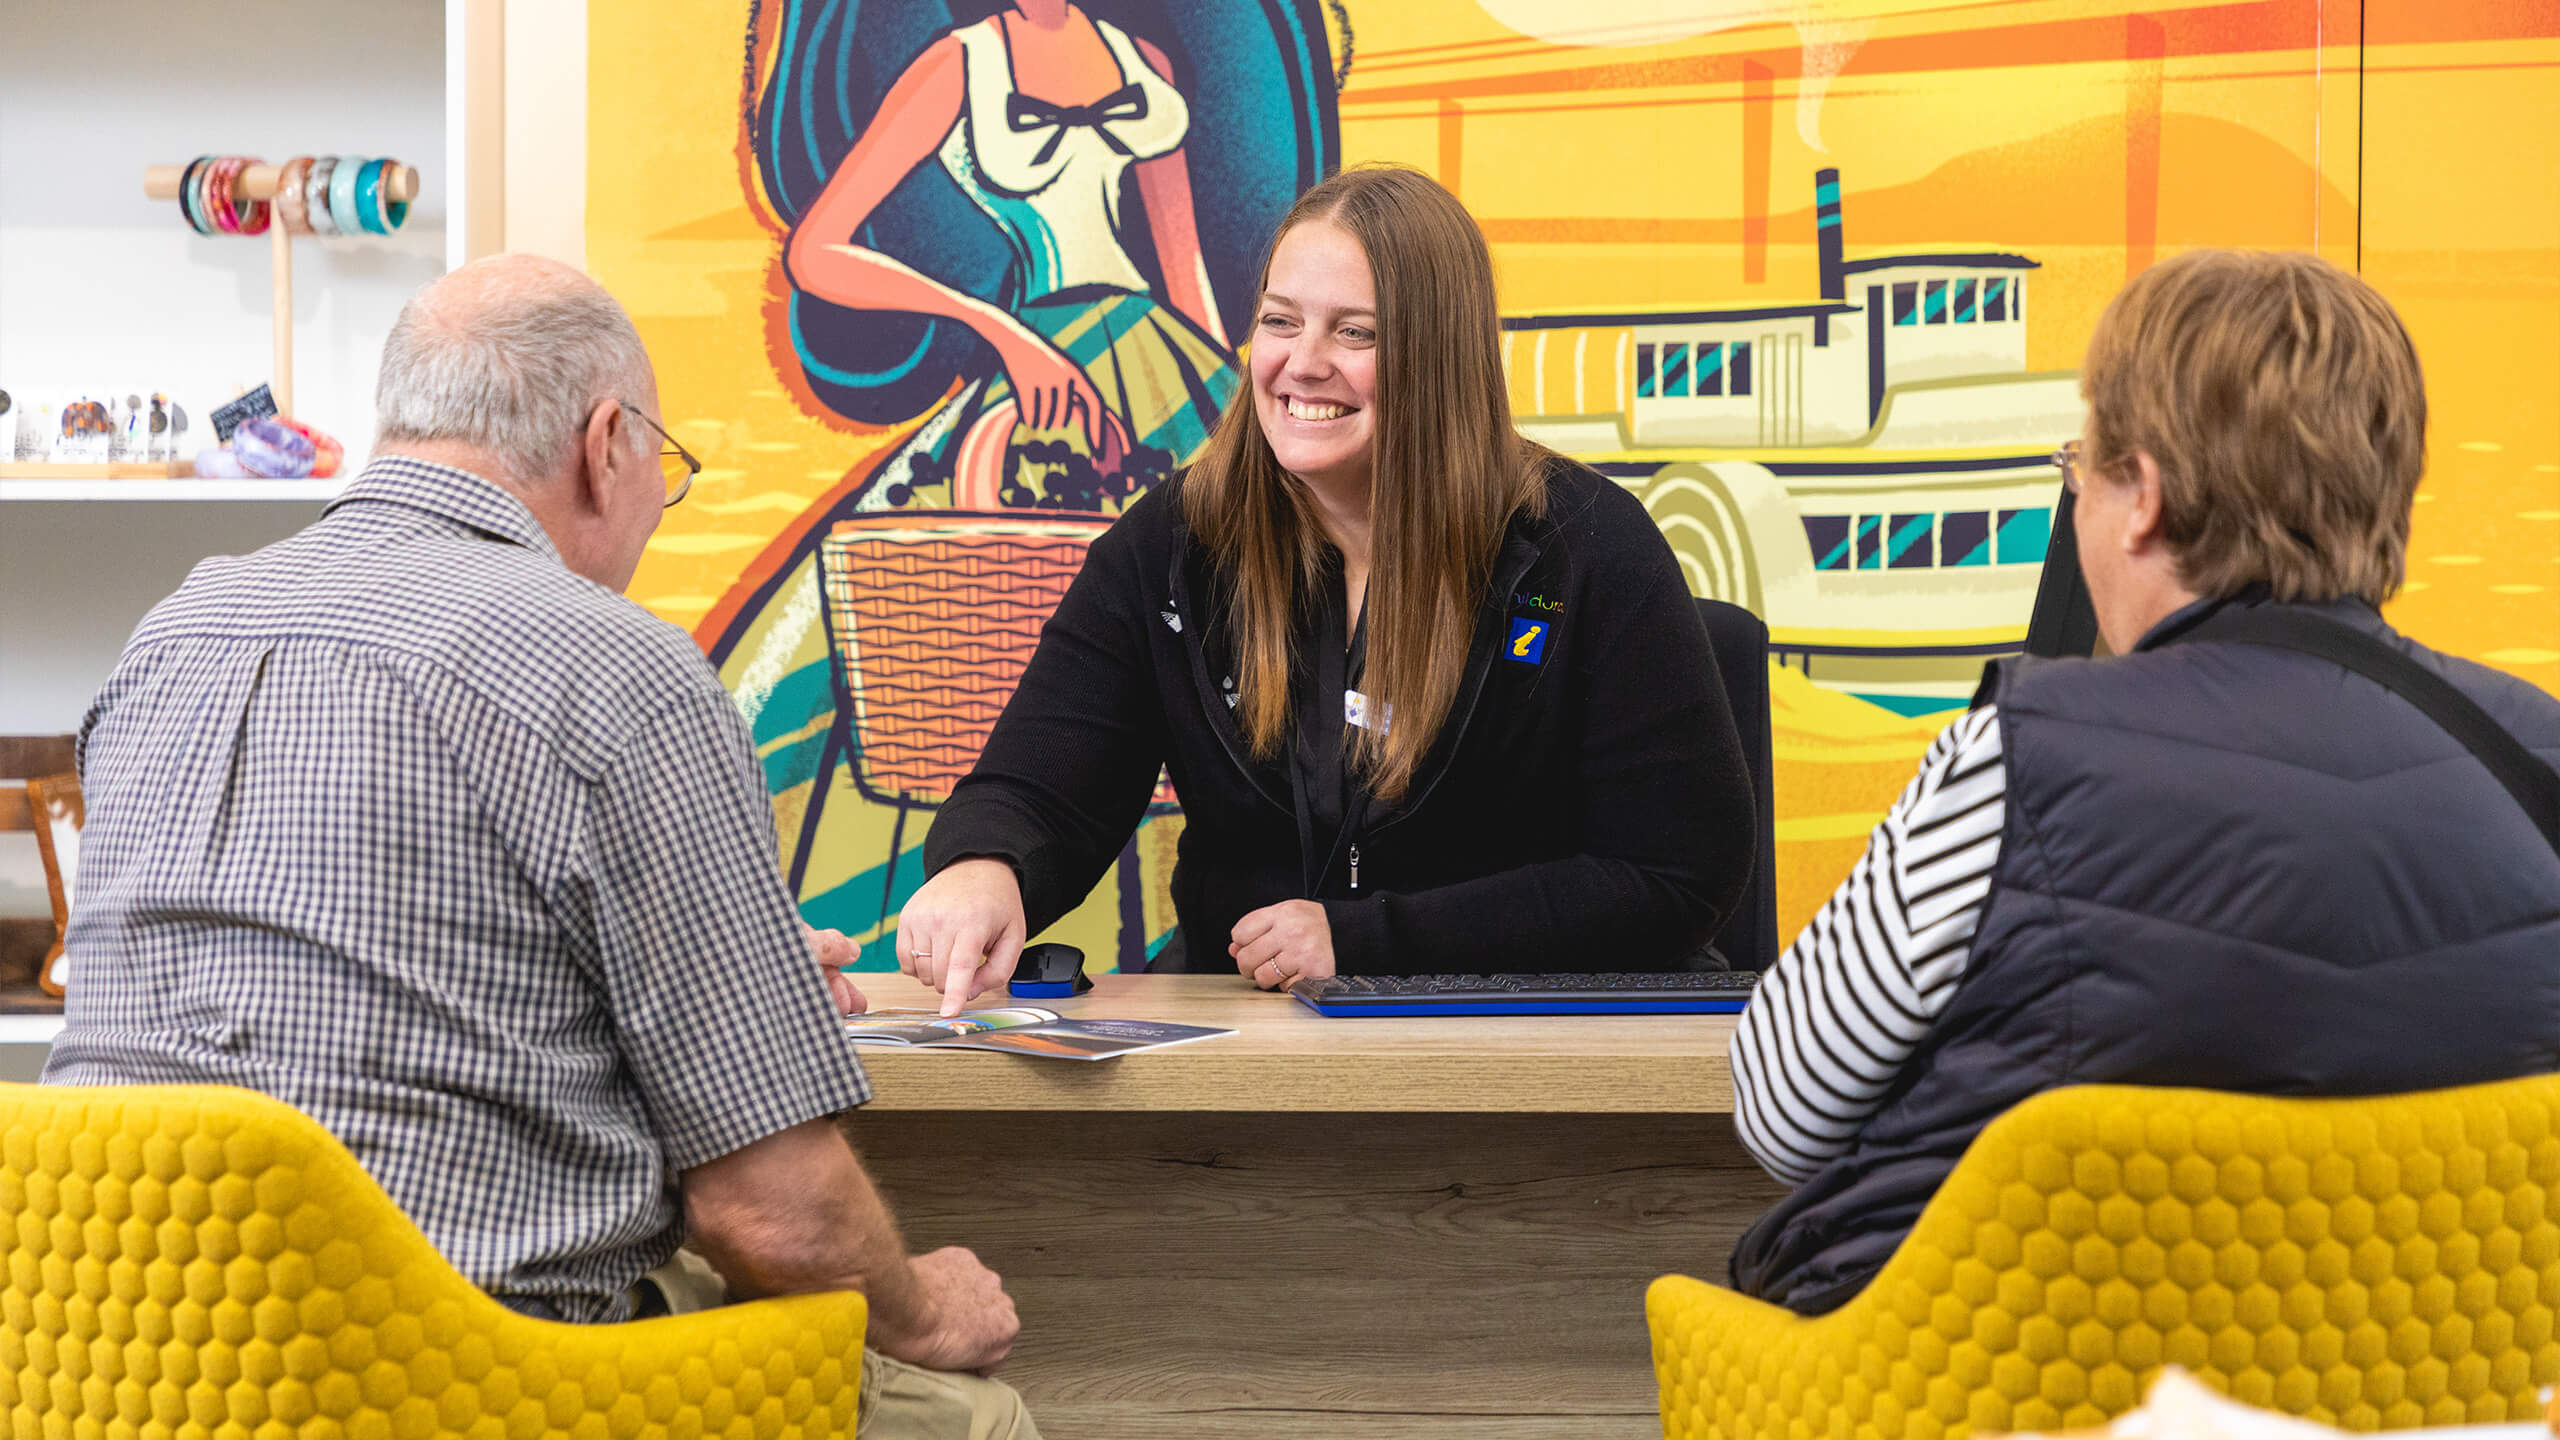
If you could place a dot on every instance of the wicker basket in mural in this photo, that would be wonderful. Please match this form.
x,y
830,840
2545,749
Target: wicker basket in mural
x,y
933,617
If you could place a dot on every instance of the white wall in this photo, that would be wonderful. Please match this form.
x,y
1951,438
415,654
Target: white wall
x,y
77,576
546,124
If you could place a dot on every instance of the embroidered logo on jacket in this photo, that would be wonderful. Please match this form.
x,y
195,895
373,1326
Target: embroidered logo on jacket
x,y
1528,643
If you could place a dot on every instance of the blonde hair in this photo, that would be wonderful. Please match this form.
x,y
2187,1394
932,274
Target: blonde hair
x,y
1448,475
2281,398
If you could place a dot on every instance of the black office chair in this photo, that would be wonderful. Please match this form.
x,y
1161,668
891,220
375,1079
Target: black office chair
x,y
2063,622
1749,939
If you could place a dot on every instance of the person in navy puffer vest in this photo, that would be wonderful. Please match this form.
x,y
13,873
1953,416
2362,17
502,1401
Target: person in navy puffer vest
x,y
2193,862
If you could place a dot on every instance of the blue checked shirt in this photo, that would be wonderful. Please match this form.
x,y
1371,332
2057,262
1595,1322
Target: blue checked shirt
x,y
466,857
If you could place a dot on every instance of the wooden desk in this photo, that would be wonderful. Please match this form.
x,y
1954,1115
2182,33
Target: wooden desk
x,y
1318,1227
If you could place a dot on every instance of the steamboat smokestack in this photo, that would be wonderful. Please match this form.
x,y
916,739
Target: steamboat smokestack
x,y
1826,232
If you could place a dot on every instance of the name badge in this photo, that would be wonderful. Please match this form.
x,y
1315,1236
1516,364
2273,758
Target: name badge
x,y
1355,711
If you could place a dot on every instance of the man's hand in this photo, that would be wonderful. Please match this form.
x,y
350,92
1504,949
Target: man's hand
x,y
1280,943
835,950
967,1321
794,1214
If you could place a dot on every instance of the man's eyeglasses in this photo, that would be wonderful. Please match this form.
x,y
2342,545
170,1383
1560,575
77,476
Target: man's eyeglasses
x,y
675,462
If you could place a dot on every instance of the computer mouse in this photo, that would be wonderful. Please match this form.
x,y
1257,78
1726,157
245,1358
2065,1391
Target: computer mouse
x,y
1049,972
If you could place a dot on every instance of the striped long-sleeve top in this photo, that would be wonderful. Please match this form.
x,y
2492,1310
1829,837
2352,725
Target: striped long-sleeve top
x,y
1838,1017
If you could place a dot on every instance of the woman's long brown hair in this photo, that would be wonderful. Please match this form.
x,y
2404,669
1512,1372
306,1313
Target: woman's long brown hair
x,y
1448,474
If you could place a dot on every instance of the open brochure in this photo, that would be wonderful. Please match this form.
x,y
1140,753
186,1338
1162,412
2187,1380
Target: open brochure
x,y
1021,1030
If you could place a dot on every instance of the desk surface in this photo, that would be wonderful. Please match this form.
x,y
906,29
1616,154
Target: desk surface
x,y
1285,1057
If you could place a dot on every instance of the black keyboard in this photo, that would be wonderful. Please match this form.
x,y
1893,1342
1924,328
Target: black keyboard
x,y
1686,992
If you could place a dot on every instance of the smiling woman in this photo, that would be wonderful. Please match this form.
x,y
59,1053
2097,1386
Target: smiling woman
x,y
1435,699
1415,494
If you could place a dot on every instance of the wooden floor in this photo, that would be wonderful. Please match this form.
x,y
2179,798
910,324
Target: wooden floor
x,y
1279,1275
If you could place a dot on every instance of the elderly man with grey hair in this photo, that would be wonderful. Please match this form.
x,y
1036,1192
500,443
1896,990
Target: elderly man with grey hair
x,y
415,823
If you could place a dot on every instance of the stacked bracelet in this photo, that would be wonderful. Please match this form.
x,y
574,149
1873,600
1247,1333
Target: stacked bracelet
x,y
254,215
187,195
204,195
315,189
322,195
247,217
369,198
213,195
342,195
293,212
381,213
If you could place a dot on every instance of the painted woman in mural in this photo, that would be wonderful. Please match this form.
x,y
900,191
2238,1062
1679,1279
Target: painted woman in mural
x,y
1020,236
1038,114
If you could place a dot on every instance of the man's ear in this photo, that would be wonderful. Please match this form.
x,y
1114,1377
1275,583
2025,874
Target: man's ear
x,y
2142,518
606,425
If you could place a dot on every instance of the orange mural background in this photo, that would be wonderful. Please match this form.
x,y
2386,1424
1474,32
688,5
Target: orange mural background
x,y
1651,168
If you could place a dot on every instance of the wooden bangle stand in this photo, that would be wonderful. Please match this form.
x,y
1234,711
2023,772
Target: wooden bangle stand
x,y
258,182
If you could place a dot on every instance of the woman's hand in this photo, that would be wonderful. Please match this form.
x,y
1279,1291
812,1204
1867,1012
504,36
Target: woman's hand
x,y
962,932
1051,390
835,950
1280,943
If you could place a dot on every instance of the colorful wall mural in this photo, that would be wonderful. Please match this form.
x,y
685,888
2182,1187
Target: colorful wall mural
x,y
1810,280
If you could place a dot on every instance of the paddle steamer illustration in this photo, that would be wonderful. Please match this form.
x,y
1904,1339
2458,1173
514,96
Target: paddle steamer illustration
x,y
1868,471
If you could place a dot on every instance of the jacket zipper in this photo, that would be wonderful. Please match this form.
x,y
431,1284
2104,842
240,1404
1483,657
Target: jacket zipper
x,y
1460,719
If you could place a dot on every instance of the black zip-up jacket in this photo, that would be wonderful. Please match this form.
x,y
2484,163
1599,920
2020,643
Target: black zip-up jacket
x,y
1584,807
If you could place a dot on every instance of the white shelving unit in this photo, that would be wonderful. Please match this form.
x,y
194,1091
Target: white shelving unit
x,y
98,283
167,490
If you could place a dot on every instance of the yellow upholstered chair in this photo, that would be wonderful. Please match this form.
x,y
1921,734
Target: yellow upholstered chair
x,y
213,1262
2381,1262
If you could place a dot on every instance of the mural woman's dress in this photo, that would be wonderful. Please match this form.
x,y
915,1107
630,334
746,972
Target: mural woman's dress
x,y
1050,178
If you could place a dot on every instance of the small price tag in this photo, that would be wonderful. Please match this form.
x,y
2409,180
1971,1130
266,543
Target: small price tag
x,y
253,405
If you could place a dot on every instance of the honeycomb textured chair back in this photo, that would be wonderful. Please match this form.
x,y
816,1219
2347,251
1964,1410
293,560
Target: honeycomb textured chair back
x,y
2383,1262
202,1263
